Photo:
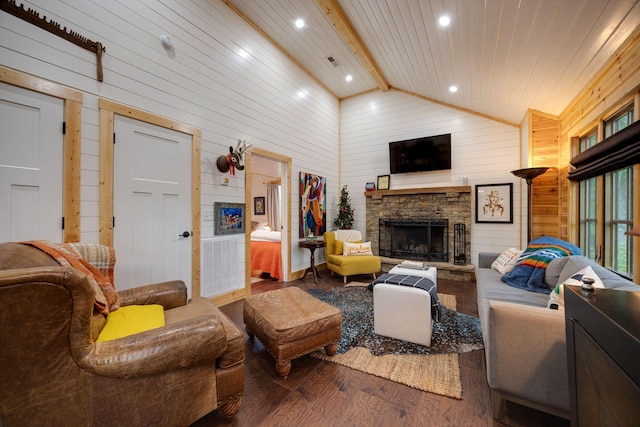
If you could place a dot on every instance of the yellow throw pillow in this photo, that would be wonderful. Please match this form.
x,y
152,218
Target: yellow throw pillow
x,y
130,320
351,249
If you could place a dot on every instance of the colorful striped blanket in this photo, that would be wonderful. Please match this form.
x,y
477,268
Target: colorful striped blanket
x,y
528,273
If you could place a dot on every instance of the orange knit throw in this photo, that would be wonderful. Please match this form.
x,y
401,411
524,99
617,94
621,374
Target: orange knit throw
x,y
106,297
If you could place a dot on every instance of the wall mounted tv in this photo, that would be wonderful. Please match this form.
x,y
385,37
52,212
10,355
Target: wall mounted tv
x,y
420,154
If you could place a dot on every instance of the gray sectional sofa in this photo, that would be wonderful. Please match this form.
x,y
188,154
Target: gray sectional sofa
x,y
525,344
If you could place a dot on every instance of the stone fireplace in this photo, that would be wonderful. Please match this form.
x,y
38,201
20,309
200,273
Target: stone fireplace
x,y
424,239
419,223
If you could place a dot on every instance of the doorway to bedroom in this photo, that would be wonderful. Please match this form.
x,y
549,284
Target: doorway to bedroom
x,y
268,199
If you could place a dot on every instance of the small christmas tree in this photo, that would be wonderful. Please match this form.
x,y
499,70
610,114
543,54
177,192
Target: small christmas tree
x,y
344,220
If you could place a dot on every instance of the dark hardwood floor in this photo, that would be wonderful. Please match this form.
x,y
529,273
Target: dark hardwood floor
x,y
319,393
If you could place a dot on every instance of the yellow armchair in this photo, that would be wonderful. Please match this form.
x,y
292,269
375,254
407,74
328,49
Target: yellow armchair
x,y
348,265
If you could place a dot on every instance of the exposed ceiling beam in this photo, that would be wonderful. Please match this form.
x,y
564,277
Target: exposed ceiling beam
x,y
336,16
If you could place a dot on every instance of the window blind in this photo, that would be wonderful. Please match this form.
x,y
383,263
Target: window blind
x,y
620,150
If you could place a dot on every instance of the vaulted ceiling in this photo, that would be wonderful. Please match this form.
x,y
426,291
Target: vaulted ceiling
x,y
504,56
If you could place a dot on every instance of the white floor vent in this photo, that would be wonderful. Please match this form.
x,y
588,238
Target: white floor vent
x,y
222,266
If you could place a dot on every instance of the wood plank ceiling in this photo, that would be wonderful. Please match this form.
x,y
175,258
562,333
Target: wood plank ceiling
x,y
504,56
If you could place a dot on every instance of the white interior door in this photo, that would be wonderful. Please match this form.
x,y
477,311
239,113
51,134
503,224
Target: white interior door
x,y
31,165
152,204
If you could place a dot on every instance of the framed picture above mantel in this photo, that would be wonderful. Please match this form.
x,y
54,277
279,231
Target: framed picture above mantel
x,y
383,182
494,203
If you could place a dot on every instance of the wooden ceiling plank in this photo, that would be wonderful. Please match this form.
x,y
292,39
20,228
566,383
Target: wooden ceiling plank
x,y
336,16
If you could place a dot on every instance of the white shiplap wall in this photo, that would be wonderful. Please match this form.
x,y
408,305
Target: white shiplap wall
x,y
223,77
483,150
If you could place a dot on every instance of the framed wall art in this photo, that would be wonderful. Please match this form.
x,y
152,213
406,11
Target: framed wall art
x,y
258,205
313,205
383,182
494,203
229,218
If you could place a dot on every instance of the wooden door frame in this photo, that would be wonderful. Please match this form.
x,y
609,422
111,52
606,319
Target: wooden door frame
x,y
108,110
72,100
247,196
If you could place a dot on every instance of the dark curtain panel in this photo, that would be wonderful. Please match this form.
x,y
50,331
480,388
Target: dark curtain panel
x,y
620,150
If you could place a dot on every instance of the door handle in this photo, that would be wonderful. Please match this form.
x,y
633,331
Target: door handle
x,y
185,234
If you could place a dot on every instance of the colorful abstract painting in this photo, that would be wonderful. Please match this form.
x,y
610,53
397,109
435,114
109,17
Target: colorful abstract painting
x,y
313,205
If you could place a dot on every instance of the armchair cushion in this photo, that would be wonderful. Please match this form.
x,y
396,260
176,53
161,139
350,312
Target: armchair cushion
x,y
132,319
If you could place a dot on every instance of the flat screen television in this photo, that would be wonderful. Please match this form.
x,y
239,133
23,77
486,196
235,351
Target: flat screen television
x,y
420,154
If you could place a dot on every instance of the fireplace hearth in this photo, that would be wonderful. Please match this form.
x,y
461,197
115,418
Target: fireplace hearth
x,y
415,239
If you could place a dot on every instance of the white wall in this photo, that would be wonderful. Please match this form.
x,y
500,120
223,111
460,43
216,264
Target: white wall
x,y
222,77
483,150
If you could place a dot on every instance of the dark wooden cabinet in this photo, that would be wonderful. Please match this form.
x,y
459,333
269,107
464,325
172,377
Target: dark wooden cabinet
x,y
603,354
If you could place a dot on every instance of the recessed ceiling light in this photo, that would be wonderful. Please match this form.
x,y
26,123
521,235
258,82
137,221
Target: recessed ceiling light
x,y
453,89
349,77
302,94
444,21
299,23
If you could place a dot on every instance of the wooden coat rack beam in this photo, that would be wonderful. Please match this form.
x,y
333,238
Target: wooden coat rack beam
x,y
34,18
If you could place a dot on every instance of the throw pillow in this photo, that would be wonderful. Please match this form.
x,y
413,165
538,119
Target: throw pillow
x,y
352,249
556,297
254,225
506,261
528,273
338,248
131,319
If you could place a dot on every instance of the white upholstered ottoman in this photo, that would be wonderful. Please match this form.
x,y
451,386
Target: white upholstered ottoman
x,y
404,312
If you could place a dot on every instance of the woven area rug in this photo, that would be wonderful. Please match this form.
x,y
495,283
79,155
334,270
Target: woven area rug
x,y
411,364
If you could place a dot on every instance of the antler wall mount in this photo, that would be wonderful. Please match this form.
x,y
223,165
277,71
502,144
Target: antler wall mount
x,y
234,159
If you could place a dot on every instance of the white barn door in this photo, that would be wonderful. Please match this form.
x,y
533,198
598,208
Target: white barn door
x,y
31,165
152,204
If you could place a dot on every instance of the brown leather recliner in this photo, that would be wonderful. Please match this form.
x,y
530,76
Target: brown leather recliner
x,y
53,372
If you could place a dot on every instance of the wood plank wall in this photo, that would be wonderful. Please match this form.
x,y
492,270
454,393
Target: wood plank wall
x,y
616,84
544,152
222,77
554,140
484,151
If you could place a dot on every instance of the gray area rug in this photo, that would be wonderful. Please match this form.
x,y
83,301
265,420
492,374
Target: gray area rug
x,y
456,333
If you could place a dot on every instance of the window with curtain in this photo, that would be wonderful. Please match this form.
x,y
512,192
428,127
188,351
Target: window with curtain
x,y
273,206
589,204
610,163
618,213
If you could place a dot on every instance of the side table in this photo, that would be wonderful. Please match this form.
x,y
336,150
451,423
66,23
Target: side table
x,y
312,245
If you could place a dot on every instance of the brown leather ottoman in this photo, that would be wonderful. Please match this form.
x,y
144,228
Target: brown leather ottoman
x,y
291,323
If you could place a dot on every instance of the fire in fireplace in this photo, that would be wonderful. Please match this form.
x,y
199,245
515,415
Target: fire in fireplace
x,y
417,239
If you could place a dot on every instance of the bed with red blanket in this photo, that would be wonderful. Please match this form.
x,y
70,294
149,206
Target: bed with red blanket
x,y
266,254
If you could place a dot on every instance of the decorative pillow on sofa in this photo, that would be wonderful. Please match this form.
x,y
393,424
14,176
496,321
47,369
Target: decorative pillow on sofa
x,y
351,249
131,319
506,261
528,273
556,297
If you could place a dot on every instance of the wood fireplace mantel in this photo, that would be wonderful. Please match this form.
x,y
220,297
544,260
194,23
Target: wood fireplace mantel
x,y
427,190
